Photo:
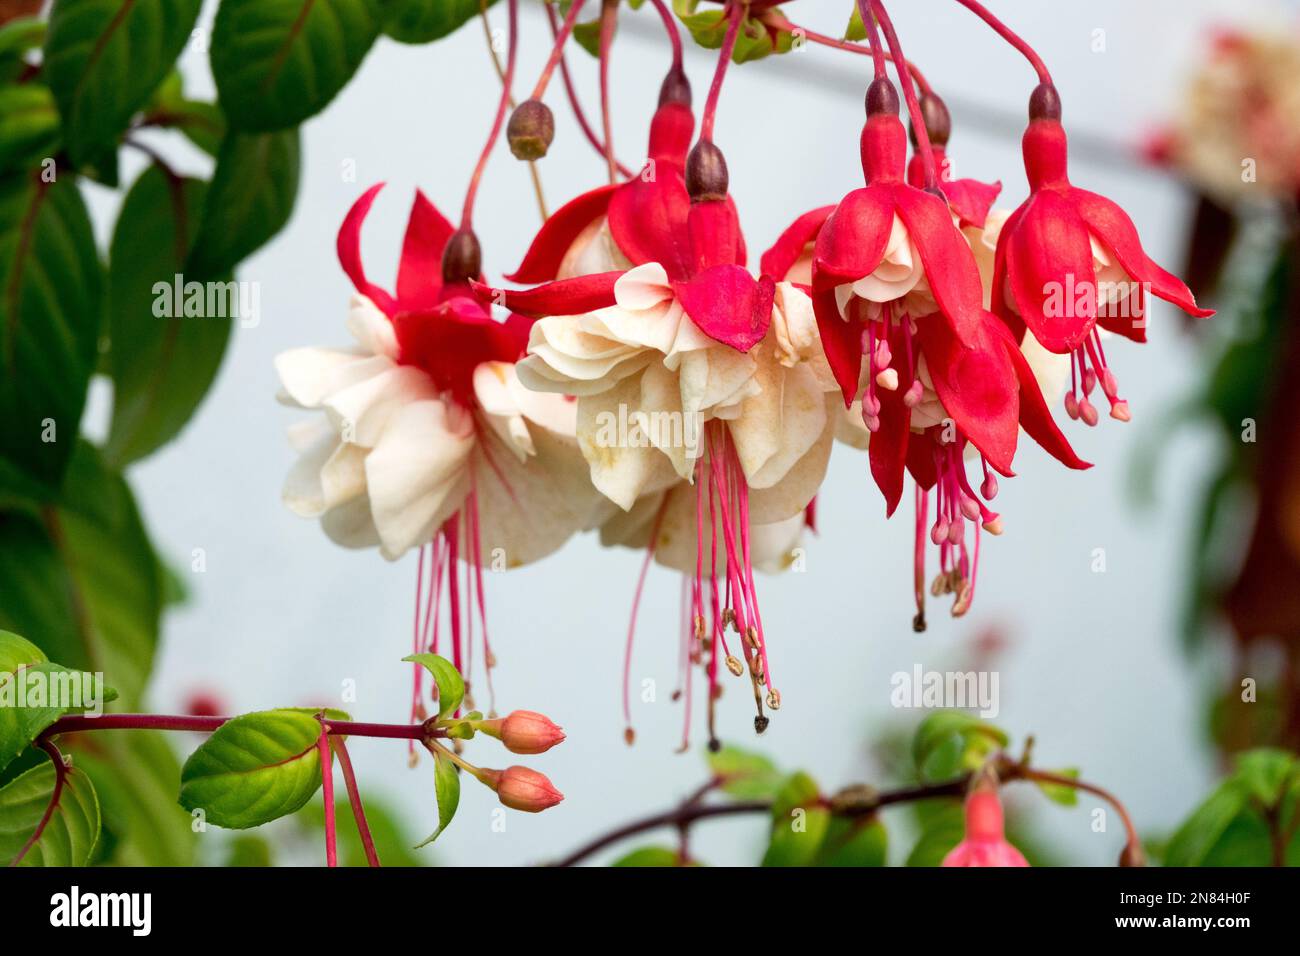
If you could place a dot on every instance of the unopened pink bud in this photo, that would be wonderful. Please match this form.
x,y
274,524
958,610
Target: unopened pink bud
x,y
985,843
520,788
525,732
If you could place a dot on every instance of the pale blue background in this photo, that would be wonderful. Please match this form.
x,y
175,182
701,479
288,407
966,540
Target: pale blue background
x,y
281,616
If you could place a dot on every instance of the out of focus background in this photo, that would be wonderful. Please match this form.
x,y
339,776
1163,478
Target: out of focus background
x,y
1102,607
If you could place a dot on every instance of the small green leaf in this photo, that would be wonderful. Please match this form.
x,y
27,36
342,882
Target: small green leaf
x,y
167,336
451,686
35,695
446,785
949,741
1061,793
709,28
748,776
277,62
29,126
799,823
855,31
1202,831
1267,773
104,57
855,842
19,37
254,769
943,829
649,856
250,199
202,123
69,837
422,21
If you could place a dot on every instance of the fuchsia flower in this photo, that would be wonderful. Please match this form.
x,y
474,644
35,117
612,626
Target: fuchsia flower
x,y
898,299
1069,262
428,440
674,330
985,843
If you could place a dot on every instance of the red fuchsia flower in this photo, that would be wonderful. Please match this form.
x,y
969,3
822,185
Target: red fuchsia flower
x,y
428,440
521,788
985,843
898,300
524,732
1069,263
674,330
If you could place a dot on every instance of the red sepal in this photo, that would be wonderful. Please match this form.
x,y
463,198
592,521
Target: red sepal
x,y
728,305
558,234
348,245
790,245
574,296
419,271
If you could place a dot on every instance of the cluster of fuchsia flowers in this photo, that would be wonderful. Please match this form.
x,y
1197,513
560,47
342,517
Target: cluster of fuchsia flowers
x,y
934,320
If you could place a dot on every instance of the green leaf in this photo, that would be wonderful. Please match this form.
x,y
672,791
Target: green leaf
x,y
29,126
748,776
136,774
799,823
202,123
423,21
73,829
50,284
446,785
167,337
249,850
451,686
708,28
1267,773
104,57
34,693
649,856
82,579
855,842
949,741
19,37
277,62
855,31
1204,829
943,829
251,197
254,769
1061,793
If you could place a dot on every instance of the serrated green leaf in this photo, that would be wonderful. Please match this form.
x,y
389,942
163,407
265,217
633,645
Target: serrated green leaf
x,y
451,686
254,769
423,21
50,285
748,776
102,60
277,62
164,346
69,837
82,579
29,127
649,856
446,785
250,199
948,741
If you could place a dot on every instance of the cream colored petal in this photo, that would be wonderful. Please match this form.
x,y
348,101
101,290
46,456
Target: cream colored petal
x,y
309,375
371,328
899,271
799,483
361,411
594,251
350,524
660,418
778,426
417,473
1051,371
643,288
343,476
492,389
623,463
774,547
302,492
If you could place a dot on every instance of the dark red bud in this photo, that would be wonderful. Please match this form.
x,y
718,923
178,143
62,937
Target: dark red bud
x,y
676,88
1045,103
462,259
882,97
530,130
938,122
706,173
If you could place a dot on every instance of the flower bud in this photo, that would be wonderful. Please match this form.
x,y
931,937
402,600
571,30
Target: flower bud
x,y
706,173
530,130
520,788
676,88
462,259
882,98
1045,103
524,732
938,122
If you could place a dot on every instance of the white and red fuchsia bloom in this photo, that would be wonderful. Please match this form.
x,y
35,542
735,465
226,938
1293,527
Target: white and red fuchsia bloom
x,y
1069,263
894,282
718,375
428,440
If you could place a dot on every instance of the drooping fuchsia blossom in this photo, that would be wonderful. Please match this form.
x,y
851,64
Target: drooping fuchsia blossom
x,y
701,391
985,843
899,303
428,440
1069,263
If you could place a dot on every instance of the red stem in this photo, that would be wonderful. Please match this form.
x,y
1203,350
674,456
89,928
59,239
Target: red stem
x,y
873,38
775,19
327,792
354,801
735,11
60,777
1007,34
467,213
674,37
909,96
343,728
608,19
557,51
578,113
